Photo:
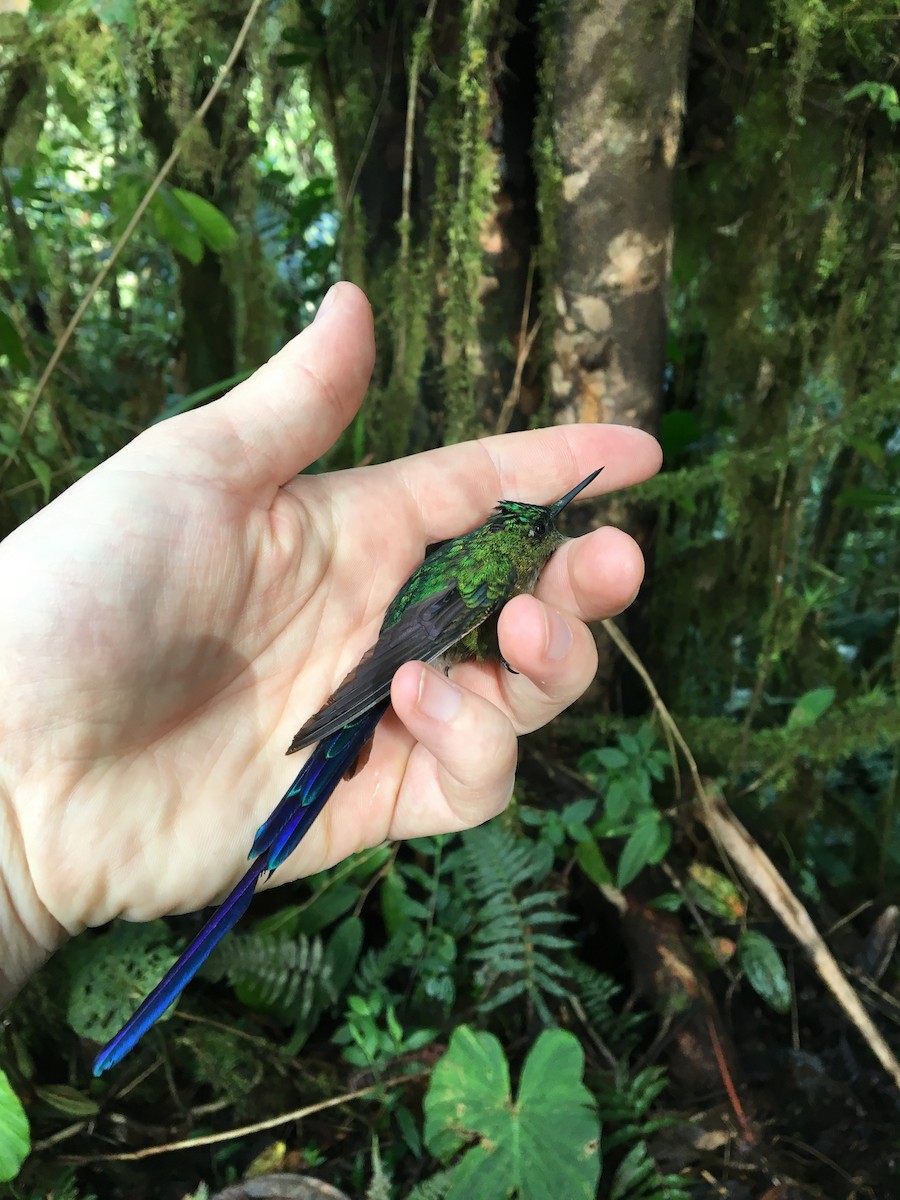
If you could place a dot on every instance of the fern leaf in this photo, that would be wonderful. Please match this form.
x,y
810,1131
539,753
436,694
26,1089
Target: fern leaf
x,y
285,975
516,941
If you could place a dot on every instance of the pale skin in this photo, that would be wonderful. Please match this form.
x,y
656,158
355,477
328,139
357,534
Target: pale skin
x,y
169,622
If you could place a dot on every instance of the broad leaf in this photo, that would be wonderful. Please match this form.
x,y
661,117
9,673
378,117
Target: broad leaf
x,y
590,859
212,225
764,969
810,707
112,973
42,473
544,1144
11,343
15,1140
647,843
175,226
714,892
67,1100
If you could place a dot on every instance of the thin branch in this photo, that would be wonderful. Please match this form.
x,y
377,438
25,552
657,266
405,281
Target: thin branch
x,y
526,342
241,1131
376,115
415,67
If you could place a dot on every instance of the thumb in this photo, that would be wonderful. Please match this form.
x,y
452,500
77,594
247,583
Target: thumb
x,y
293,408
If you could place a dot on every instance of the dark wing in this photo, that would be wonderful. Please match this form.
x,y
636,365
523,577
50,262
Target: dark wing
x,y
425,630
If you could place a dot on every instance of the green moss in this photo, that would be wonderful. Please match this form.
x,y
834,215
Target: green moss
x,y
471,209
549,173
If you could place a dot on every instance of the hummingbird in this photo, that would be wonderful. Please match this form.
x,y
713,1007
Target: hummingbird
x,y
446,611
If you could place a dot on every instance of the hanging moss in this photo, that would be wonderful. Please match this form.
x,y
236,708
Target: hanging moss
x,y
470,213
413,291
549,174
786,307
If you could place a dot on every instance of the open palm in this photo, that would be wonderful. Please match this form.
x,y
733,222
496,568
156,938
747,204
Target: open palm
x,y
169,622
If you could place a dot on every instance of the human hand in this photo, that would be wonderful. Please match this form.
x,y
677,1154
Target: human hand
x,y
169,622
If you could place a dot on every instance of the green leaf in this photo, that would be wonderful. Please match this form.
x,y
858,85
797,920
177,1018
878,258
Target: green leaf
x,y
714,892
611,757
395,902
116,12
810,707
630,744
175,226
764,969
306,38
330,904
678,430
179,404
11,344
15,1140
579,811
633,1168
642,847
869,448
313,200
471,1077
342,951
590,858
868,88
125,193
617,800
212,225
865,498
111,972
10,438
42,473
882,95
72,103
308,47
544,1144
67,1100
409,1129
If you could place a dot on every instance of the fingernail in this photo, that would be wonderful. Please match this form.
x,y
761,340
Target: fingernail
x,y
330,297
438,697
559,635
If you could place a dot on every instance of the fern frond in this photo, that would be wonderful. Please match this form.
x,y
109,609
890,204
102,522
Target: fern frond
x,y
516,940
639,1178
379,1185
287,974
596,991
628,1102
377,966
624,1103
496,859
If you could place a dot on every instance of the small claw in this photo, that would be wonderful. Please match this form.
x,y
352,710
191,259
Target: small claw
x,y
512,670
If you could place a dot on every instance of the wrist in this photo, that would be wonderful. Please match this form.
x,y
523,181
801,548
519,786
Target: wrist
x,y
28,932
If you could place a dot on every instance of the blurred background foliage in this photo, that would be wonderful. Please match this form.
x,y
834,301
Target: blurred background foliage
x,y
768,623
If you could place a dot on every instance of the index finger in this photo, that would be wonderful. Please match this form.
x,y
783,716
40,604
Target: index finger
x,y
456,487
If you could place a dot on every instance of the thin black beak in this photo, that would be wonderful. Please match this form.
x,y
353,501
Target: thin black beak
x,y
570,496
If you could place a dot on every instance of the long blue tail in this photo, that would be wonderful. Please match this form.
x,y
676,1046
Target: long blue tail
x,y
276,838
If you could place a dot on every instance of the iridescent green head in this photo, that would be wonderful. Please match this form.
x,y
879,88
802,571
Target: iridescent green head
x,y
520,537
537,520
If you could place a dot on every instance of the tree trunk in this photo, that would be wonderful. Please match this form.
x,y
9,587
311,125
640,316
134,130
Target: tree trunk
x,y
617,106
